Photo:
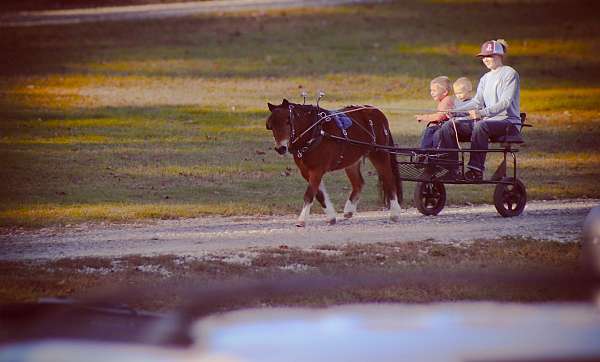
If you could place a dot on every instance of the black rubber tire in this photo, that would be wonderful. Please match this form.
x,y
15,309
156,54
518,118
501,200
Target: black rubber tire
x,y
430,197
510,200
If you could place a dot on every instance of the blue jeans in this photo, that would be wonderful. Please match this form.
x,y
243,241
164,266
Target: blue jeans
x,y
482,131
448,138
431,137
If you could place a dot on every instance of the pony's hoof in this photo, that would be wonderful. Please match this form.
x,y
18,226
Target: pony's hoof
x,y
300,224
394,218
331,222
348,215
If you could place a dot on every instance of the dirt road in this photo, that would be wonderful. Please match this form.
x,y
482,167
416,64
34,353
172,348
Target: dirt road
x,y
559,220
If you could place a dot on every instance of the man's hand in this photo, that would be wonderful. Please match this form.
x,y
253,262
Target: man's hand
x,y
474,114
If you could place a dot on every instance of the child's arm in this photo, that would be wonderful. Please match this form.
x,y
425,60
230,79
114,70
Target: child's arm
x,y
425,117
445,104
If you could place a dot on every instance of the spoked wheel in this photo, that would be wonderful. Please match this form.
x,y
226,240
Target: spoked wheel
x,y
510,199
430,197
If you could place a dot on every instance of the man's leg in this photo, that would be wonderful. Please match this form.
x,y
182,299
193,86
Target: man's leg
x,y
447,135
482,131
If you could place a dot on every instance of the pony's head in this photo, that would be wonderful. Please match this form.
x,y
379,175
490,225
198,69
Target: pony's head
x,y
280,124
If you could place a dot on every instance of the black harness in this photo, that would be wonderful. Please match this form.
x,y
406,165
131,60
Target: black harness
x,y
316,135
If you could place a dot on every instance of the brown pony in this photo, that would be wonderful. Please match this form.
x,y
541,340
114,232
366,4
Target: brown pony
x,y
318,145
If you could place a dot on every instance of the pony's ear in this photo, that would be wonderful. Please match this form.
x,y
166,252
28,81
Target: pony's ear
x,y
271,106
285,102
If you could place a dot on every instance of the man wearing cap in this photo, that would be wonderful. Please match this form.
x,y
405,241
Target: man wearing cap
x,y
494,108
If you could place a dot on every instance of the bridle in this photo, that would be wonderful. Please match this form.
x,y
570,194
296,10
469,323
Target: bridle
x,y
299,150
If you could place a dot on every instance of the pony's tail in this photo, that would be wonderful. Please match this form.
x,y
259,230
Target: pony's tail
x,y
395,171
395,174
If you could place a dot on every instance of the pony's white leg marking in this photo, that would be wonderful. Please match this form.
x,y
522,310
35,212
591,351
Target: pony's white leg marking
x,y
329,208
350,208
304,215
394,209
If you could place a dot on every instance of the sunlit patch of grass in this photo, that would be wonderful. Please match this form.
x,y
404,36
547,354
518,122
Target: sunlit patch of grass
x,y
49,99
567,189
569,160
232,170
174,67
565,119
248,94
535,100
562,48
442,49
59,140
566,49
36,215
81,123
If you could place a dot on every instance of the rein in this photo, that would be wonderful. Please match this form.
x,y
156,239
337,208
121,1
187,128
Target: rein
x,y
322,116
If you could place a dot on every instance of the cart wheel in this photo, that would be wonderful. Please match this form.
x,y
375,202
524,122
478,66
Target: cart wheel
x,y
510,199
430,197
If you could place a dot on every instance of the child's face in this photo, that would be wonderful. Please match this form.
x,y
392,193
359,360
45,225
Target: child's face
x,y
437,92
462,93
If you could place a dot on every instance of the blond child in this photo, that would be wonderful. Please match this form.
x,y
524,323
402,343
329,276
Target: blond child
x,y
460,126
439,88
463,91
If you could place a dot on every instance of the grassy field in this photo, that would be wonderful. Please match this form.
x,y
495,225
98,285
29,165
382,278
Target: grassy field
x,y
165,119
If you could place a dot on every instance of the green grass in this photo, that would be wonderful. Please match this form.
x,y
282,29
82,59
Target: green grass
x,y
165,119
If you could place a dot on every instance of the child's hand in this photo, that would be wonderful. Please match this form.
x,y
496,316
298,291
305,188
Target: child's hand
x,y
418,117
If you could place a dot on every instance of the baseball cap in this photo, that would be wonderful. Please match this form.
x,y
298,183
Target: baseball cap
x,y
491,47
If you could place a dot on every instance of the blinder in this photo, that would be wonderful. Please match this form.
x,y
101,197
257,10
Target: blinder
x,y
291,121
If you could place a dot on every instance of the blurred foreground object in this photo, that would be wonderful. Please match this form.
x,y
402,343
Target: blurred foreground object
x,y
479,331
591,240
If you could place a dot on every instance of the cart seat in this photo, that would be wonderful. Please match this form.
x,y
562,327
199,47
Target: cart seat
x,y
513,135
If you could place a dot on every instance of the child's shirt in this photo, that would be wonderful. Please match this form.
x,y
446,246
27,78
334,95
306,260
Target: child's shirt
x,y
446,104
460,116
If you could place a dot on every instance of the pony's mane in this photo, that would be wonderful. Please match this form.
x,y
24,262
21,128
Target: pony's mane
x,y
307,107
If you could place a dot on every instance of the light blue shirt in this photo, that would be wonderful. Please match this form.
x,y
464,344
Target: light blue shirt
x,y
498,95
462,116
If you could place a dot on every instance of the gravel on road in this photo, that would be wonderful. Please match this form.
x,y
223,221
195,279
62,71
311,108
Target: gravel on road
x,y
557,220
